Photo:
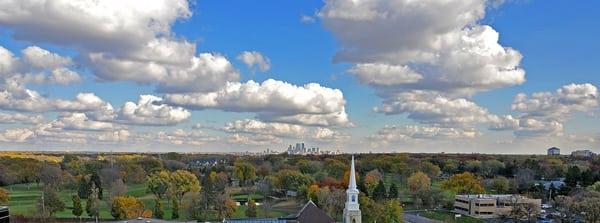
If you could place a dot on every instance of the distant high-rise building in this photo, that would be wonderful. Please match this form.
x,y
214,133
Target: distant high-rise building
x,y
301,149
553,151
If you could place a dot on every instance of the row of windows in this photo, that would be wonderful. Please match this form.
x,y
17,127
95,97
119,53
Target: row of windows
x,y
461,208
461,201
485,204
4,216
484,212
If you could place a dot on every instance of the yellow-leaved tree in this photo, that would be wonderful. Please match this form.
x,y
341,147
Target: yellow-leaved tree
x,y
419,181
463,183
125,207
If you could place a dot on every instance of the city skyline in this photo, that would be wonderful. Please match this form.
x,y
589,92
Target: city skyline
x,y
355,76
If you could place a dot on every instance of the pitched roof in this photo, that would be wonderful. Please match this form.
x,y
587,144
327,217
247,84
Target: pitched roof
x,y
310,213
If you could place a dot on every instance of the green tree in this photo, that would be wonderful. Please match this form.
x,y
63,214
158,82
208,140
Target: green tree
x,y
158,183
474,166
309,167
175,209
492,167
432,170
159,212
499,184
419,181
92,206
451,166
463,183
251,211
379,193
84,188
77,209
95,179
393,194
573,176
371,210
335,168
388,211
50,203
244,172
392,212
150,164
183,181
361,186
595,186
292,179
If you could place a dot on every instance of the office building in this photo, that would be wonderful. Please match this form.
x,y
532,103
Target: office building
x,y
490,206
584,153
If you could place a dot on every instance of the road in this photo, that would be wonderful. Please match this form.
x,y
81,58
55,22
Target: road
x,y
413,217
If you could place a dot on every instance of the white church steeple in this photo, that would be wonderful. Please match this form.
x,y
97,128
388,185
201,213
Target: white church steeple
x,y
352,210
352,183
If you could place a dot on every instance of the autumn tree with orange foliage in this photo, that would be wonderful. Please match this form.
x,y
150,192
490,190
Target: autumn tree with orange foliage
x,y
4,196
419,181
372,179
346,178
124,207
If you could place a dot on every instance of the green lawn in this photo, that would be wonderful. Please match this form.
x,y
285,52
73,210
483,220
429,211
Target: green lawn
x,y
449,217
24,198
244,197
240,212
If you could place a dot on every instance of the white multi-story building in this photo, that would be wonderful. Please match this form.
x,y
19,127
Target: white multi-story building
x,y
583,153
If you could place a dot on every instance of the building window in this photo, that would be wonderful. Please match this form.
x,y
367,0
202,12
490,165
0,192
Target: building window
x,y
461,208
461,201
353,198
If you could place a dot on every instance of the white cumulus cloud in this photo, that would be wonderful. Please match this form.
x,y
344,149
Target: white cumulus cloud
x,y
254,59
311,104
150,110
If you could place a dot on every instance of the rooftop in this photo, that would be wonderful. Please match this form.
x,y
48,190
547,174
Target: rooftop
x,y
489,196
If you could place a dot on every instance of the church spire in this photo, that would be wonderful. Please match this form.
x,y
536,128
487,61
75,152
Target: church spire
x,y
352,183
352,212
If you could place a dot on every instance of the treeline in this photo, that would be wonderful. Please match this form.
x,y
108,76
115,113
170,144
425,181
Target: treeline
x,y
199,186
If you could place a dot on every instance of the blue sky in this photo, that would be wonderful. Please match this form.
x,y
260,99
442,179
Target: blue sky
x,y
450,106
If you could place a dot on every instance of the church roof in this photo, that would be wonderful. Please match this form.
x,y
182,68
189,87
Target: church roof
x,y
310,213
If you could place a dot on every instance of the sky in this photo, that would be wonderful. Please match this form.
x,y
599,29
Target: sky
x,y
455,76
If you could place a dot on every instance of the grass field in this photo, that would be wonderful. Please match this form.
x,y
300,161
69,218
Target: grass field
x,y
244,197
24,198
449,217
